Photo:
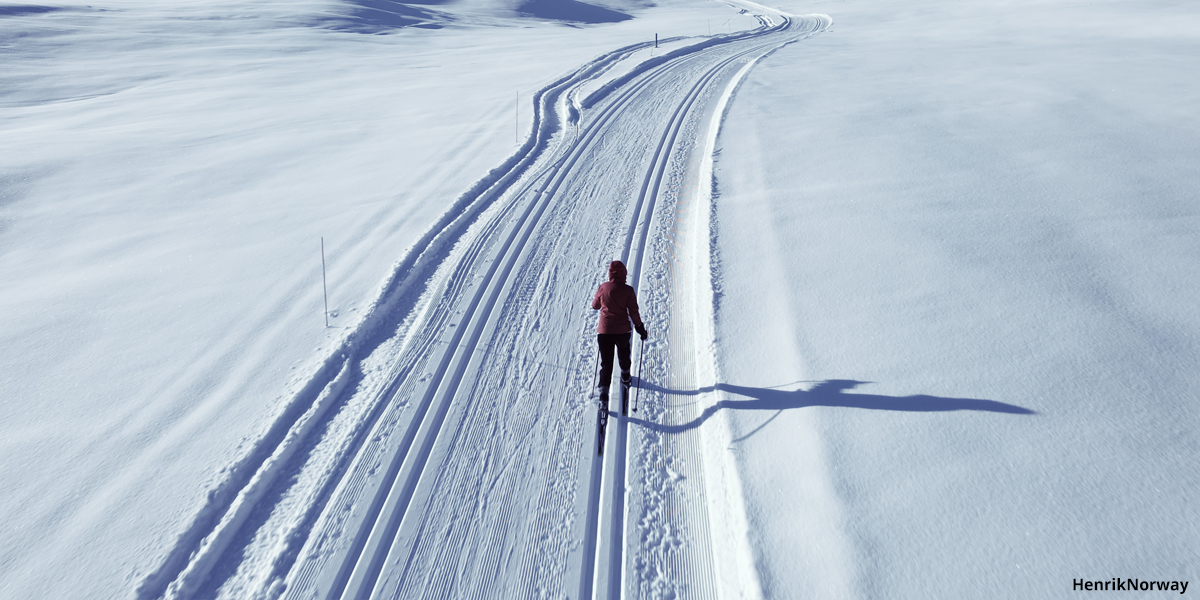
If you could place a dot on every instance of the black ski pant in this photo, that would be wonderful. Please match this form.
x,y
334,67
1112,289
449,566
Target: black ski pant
x,y
607,342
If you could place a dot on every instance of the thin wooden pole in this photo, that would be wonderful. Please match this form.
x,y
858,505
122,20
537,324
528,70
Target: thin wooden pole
x,y
324,286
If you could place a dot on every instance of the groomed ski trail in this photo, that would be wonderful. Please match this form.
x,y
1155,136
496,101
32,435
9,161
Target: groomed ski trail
x,y
448,448
669,548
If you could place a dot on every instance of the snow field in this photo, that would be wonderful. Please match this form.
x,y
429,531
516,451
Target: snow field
x,y
378,510
958,203
953,327
168,174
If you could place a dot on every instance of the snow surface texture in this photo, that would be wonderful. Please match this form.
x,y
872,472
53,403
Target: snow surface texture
x,y
180,423
954,250
958,246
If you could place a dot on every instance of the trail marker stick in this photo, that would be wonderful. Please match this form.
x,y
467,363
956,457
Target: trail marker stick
x,y
324,286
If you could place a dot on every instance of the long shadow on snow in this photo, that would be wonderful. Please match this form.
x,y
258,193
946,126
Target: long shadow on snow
x,y
572,11
383,16
827,393
26,9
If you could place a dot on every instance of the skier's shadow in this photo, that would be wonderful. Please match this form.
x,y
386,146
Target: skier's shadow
x,y
831,392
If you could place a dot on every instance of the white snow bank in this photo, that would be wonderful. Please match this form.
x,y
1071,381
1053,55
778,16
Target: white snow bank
x,y
960,203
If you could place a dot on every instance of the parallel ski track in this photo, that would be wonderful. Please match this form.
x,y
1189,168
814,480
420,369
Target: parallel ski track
x,y
361,566
481,316
208,539
362,563
611,475
430,369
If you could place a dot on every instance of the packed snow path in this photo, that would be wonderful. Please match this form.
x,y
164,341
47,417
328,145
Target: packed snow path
x,y
451,450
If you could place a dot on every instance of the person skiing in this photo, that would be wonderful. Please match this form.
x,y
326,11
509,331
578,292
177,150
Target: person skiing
x,y
617,303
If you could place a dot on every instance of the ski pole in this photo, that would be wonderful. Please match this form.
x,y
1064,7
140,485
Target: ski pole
x,y
641,363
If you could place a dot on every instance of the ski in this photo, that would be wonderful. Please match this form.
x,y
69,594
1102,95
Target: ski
x,y
603,423
625,396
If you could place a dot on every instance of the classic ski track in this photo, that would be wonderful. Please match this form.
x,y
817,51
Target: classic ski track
x,y
407,467
616,466
207,539
501,207
613,584
481,318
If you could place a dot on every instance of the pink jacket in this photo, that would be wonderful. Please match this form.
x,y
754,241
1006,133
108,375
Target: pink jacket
x,y
617,302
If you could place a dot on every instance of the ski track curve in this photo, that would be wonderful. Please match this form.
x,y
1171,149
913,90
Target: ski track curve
x,y
447,447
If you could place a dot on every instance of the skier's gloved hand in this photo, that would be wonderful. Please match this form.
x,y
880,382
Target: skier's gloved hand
x,y
641,329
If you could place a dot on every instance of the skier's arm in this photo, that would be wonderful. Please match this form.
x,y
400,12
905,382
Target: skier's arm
x,y
633,313
596,300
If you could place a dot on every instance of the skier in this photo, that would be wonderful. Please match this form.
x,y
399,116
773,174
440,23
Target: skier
x,y
617,303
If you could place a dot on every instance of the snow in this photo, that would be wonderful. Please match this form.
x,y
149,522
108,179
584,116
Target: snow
x,y
953,250
977,201
169,172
